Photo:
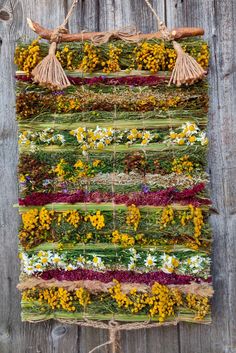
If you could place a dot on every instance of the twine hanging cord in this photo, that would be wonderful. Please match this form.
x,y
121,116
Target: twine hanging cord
x,y
165,33
56,35
114,329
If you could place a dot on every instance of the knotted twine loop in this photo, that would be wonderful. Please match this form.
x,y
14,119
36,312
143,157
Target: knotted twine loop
x,y
113,326
127,34
49,71
165,33
186,70
114,338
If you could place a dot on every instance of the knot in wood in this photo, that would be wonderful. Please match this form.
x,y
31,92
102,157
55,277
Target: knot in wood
x,y
4,15
59,331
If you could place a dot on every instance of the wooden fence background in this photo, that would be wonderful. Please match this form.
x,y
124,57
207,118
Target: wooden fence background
x,y
218,17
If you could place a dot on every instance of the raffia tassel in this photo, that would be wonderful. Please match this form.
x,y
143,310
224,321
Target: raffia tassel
x,y
186,70
49,72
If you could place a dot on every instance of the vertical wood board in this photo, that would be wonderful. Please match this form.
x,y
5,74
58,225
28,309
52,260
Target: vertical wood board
x,y
218,18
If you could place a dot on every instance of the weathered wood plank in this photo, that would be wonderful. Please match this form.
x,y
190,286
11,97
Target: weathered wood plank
x,y
188,13
222,163
92,15
9,308
90,338
218,19
48,13
85,16
15,336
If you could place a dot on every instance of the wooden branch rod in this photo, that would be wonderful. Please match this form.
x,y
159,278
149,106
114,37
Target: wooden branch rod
x,y
177,33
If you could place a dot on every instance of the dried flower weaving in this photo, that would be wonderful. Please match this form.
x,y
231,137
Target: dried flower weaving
x,y
113,185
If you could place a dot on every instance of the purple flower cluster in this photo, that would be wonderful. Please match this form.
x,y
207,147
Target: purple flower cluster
x,y
114,81
121,276
155,198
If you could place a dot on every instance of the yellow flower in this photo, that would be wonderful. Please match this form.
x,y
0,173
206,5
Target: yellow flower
x,y
192,139
181,142
79,164
96,162
173,135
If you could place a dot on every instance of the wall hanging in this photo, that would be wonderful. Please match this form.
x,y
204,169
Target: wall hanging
x,y
113,187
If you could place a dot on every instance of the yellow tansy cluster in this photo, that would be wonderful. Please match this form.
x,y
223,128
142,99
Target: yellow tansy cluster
x,y
97,220
60,169
55,298
183,165
45,218
150,57
72,217
133,217
26,58
30,219
91,58
204,56
170,58
158,301
145,56
195,215
33,219
167,217
192,215
36,225
67,58
125,240
112,64
199,304
84,297
161,301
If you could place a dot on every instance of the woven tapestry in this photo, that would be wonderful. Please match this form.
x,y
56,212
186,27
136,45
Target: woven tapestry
x,y
113,185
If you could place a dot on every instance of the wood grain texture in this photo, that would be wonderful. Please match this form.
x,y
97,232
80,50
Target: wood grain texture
x,y
49,13
9,303
85,17
219,19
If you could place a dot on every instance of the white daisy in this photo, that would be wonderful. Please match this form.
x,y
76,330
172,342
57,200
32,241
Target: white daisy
x,y
131,265
29,270
169,263
56,260
150,261
81,261
97,262
70,267
38,267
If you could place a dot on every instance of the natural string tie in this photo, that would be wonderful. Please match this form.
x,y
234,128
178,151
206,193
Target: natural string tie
x,y
127,34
